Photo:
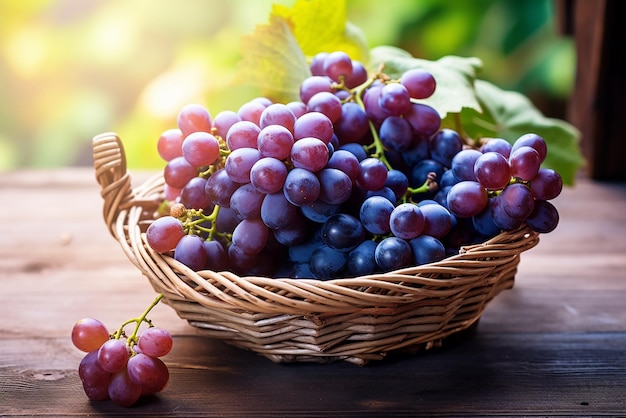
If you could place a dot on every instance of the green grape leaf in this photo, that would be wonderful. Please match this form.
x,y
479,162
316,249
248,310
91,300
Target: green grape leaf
x,y
274,56
321,26
273,61
509,115
454,75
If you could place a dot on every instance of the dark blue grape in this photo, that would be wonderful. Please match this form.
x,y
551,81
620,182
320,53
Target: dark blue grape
x,y
327,263
419,150
419,172
393,253
353,123
544,217
398,182
276,211
385,192
484,221
447,179
343,232
319,211
396,133
374,214
427,249
190,251
301,253
437,219
445,145
335,185
362,260
356,149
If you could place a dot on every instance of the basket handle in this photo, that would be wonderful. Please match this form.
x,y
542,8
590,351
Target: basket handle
x,y
112,175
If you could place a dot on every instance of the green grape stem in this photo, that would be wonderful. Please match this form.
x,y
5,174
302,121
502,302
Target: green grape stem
x,y
192,220
376,148
429,185
132,339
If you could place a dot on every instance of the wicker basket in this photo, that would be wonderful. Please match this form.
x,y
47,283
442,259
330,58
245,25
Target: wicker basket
x,y
286,320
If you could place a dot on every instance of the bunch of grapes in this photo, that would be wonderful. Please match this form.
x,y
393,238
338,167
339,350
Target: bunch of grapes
x,y
121,368
356,177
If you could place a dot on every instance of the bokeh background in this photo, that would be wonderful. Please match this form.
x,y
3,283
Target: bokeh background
x,y
70,69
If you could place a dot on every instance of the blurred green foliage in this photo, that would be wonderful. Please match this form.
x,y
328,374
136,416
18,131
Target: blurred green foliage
x,y
72,69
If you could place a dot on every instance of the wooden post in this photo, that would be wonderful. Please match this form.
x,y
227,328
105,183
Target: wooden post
x,y
598,103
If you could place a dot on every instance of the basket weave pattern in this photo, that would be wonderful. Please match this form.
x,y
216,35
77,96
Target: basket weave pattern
x,y
352,319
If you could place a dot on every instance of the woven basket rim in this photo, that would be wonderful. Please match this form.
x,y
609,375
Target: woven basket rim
x,y
293,319
137,201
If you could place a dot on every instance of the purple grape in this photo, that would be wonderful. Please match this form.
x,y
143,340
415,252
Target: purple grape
x,y
407,221
242,134
445,145
301,187
375,213
201,149
393,253
358,76
544,217
466,199
277,114
424,119
277,212
427,249
437,220
268,175
335,185
315,125
547,184
190,251
313,85
113,355
246,201
223,121
327,263
395,99
194,195
275,141
534,141
499,145
373,174
362,260
352,125
343,232
463,164
240,162
492,170
396,133
525,162
220,187
326,103
178,172
517,200
310,154
420,83
250,236
338,65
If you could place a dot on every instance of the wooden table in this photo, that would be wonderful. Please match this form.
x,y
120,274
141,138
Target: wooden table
x,y
553,345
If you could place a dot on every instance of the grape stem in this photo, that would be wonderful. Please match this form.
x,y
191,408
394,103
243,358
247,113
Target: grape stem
x,y
376,148
193,219
429,185
132,340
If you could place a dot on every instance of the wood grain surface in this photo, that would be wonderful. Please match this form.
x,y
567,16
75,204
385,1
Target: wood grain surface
x,y
555,344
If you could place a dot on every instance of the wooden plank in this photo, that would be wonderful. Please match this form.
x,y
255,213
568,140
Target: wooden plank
x,y
547,374
552,345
